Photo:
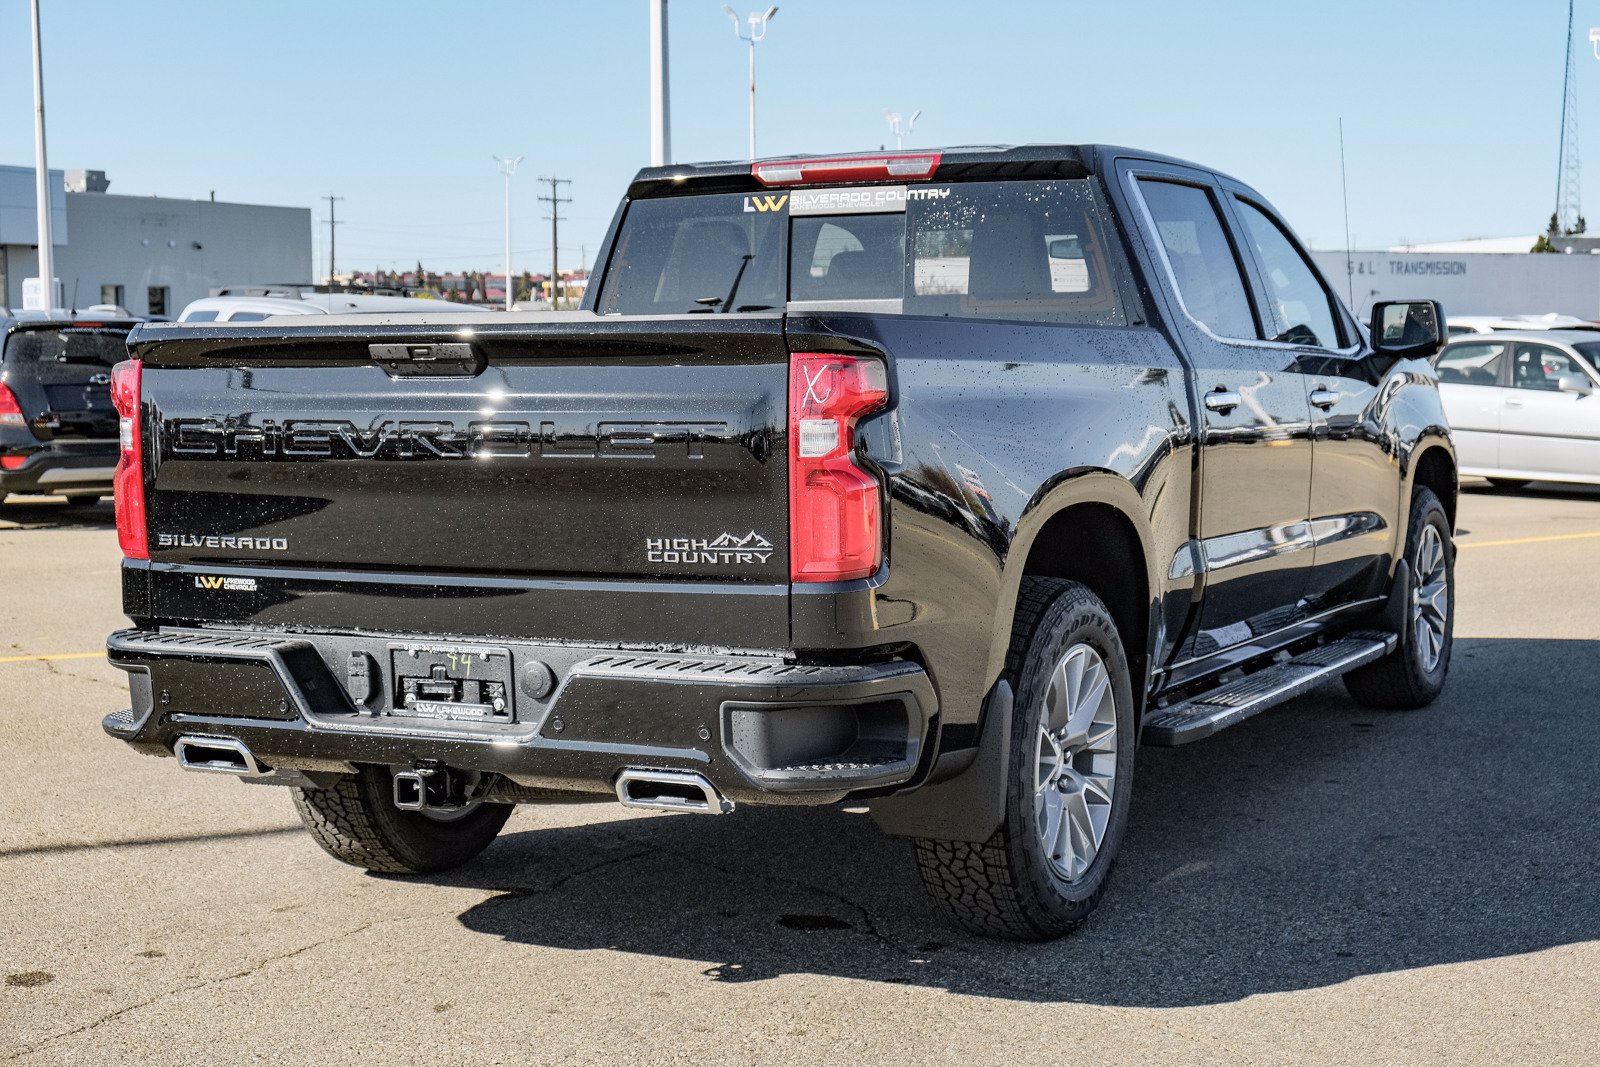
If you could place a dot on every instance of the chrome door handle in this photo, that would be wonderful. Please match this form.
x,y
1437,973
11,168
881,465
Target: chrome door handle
x,y
1222,401
1324,398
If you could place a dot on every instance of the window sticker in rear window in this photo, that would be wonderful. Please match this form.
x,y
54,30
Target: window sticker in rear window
x,y
863,200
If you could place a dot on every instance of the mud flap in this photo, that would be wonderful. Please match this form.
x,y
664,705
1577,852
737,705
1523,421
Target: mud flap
x,y
970,806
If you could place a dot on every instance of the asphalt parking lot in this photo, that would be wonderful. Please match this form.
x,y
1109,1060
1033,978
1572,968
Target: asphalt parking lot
x,y
1324,884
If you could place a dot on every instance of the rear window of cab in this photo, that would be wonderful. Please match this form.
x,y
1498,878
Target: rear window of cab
x,y
1031,250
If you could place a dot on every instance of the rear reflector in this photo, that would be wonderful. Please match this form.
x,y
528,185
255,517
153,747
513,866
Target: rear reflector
x,y
835,529
847,169
10,410
128,483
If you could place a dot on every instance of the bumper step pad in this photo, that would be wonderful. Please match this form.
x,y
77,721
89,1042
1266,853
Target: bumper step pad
x,y
1217,709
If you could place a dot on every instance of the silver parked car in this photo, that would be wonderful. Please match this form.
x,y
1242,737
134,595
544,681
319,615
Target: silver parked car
x,y
1524,405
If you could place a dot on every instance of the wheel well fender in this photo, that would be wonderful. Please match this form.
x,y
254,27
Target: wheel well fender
x,y
1089,529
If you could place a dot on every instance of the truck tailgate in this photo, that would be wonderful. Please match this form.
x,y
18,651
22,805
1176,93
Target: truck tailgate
x,y
552,448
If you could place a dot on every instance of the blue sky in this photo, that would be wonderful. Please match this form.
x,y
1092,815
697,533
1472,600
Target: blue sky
x,y
1451,109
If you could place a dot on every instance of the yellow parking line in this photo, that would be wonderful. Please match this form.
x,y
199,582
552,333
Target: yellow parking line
x,y
59,655
1526,540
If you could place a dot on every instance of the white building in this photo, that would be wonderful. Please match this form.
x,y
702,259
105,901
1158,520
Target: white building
x,y
1477,282
149,254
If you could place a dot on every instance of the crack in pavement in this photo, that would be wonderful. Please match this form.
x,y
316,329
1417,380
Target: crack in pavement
x,y
45,1042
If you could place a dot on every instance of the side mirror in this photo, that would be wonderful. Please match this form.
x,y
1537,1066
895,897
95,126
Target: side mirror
x,y
1408,329
1571,383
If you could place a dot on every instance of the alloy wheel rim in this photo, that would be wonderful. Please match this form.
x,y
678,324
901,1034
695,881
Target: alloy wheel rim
x,y
1075,762
1430,599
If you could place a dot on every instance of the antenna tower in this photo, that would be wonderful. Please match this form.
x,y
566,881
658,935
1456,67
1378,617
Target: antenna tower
x,y
1568,217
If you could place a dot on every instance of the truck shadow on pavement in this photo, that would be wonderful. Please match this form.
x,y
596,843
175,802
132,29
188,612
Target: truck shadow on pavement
x,y
43,513
1318,843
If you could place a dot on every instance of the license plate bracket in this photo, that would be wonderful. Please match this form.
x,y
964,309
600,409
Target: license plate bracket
x,y
470,683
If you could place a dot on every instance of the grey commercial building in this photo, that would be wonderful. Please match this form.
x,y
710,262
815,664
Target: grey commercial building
x,y
150,254
1469,282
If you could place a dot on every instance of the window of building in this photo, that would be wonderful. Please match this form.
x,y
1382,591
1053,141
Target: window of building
x,y
111,294
156,298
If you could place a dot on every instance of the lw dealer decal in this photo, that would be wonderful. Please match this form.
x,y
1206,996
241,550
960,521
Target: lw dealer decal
x,y
765,203
224,583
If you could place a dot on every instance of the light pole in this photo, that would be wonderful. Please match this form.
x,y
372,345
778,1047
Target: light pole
x,y
41,187
660,98
894,127
758,31
508,167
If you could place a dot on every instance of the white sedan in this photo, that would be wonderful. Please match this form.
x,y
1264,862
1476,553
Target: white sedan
x,y
1524,405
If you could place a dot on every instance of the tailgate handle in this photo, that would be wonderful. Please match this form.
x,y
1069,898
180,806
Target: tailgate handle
x,y
444,359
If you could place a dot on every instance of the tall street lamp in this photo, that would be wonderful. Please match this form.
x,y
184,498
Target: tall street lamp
x,y
900,135
758,31
508,167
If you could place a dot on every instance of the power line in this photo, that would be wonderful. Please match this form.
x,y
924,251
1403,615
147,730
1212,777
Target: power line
x,y
555,200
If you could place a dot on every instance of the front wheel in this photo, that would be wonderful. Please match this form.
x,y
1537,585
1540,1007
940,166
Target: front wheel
x,y
1068,781
1413,674
355,821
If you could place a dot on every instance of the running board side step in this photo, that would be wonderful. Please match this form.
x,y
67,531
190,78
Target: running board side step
x,y
1203,715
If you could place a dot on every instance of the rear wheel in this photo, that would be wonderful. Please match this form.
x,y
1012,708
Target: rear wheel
x,y
1413,674
356,821
1509,483
79,500
1068,781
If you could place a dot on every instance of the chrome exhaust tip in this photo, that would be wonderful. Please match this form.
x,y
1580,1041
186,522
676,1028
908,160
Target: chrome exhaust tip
x,y
671,791
220,755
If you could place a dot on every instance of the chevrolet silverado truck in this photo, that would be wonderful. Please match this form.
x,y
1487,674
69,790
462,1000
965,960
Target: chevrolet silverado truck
x,y
929,482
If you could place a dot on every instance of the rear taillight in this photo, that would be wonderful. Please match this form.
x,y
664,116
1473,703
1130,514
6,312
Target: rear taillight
x,y
129,481
835,529
10,410
875,168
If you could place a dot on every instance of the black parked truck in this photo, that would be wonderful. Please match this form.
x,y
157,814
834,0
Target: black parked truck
x,y
933,482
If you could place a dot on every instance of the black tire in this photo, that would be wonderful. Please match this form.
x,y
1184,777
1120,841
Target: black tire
x,y
1402,680
82,501
356,821
1509,483
1008,886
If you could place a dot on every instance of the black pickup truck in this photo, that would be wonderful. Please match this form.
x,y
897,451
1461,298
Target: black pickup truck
x,y
931,482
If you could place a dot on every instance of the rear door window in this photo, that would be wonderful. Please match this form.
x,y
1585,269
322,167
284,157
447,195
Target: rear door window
x,y
1205,270
1471,364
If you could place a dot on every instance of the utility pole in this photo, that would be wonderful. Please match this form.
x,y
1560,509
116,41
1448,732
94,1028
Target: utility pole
x,y
660,98
758,32
47,284
555,200
508,167
333,265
